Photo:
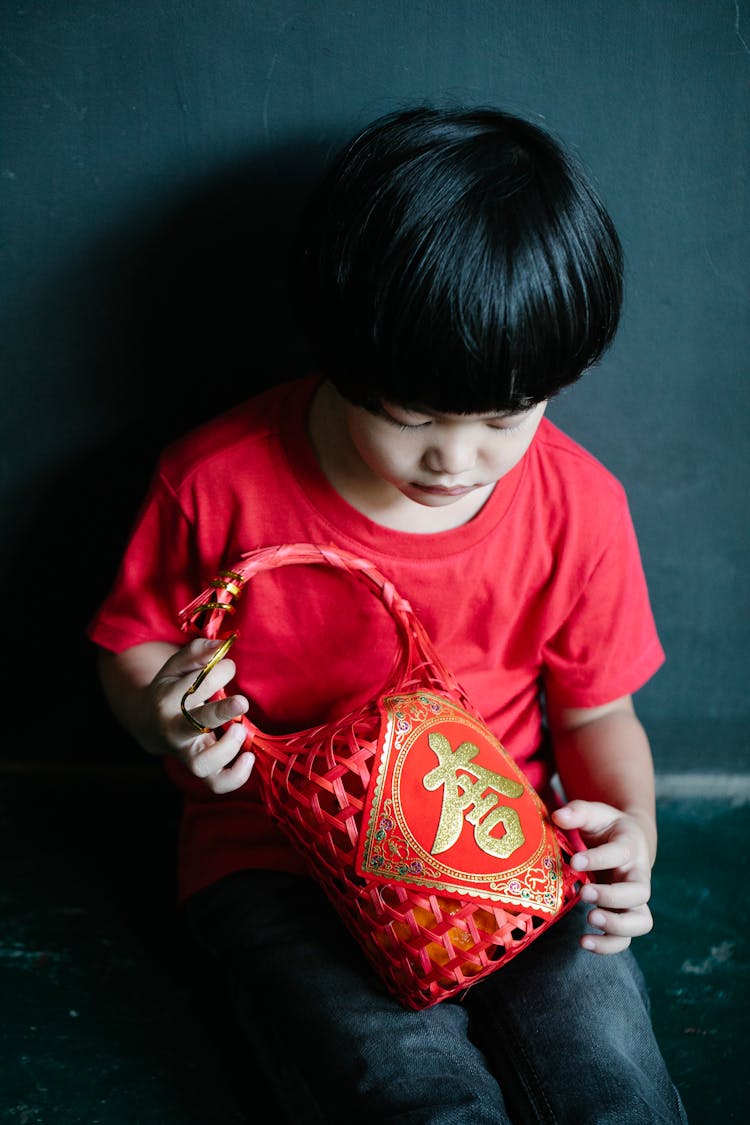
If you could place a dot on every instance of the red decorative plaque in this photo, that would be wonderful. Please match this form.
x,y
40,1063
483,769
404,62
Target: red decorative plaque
x,y
448,810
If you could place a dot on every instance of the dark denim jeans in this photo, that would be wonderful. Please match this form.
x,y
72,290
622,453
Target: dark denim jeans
x,y
557,1035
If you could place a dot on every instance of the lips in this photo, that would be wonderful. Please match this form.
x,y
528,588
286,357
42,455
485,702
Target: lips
x,y
440,490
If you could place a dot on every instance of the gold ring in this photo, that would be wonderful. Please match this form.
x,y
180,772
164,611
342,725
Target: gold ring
x,y
220,653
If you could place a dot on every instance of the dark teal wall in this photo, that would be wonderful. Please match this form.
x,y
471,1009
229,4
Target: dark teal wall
x,y
153,156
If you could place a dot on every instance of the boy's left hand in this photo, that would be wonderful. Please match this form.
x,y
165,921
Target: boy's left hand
x,y
617,856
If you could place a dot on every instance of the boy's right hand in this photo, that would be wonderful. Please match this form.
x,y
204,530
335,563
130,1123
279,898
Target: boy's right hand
x,y
216,757
145,685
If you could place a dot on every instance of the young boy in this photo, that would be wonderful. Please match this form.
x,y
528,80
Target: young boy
x,y
457,271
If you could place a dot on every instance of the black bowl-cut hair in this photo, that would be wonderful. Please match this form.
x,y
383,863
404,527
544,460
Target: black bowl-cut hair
x,y
458,259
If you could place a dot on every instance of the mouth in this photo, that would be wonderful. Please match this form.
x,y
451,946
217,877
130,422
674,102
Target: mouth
x,y
441,490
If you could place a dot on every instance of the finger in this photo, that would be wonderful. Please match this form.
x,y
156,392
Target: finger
x,y
631,923
214,681
617,896
210,754
604,943
615,853
192,657
588,816
234,776
217,712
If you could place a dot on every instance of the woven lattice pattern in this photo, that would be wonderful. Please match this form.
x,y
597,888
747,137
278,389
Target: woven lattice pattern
x,y
425,947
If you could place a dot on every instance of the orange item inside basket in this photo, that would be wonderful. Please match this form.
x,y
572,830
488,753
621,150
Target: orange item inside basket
x,y
436,851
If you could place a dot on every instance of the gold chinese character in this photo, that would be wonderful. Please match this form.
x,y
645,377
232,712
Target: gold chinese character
x,y
479,797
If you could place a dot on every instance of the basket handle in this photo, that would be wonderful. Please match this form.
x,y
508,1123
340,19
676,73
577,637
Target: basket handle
x,y
206,614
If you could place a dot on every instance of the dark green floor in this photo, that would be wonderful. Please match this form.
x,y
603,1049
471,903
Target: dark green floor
x,y
99,1028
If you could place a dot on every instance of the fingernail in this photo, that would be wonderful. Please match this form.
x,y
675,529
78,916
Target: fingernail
x,y
579,862
596,918
589,893
588,943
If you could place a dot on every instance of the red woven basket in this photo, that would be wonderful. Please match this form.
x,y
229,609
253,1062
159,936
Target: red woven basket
x,y
437,853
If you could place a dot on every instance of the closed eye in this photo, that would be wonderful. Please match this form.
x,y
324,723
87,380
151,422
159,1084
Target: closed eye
x,y
405,426
506,428
505,423
402,425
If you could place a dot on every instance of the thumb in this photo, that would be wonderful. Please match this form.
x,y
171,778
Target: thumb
x,y
587,816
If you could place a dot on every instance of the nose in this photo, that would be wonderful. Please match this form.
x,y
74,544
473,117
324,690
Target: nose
x,y
451,454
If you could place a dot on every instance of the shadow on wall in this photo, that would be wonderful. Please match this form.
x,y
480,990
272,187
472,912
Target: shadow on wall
x,y
197,314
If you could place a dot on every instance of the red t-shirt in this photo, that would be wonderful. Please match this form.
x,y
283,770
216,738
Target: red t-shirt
x,y
542,590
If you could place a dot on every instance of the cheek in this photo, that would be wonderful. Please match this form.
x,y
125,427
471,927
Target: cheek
x,y
502,452
506,454
383,453
390,459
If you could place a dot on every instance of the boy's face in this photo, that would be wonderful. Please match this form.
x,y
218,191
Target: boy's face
x,y
437,459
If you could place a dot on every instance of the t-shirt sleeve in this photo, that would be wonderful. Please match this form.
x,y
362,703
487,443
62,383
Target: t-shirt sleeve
x,y
155,578
608,644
